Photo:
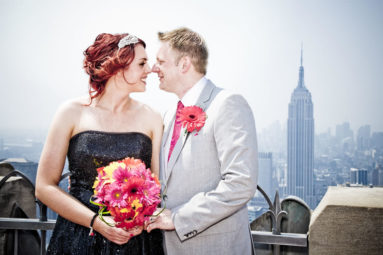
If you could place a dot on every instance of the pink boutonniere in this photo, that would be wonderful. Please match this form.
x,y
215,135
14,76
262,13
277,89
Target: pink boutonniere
x,y
192,117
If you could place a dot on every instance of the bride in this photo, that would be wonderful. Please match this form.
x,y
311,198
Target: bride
x,y
92,132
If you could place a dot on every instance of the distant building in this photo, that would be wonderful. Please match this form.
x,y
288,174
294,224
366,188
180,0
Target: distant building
x,y
265,173
256,207
300,143
358,176
377,176
377,140
343,131
363,138
320,186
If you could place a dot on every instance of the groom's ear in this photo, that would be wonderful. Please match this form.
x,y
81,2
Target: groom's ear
x,y
185,64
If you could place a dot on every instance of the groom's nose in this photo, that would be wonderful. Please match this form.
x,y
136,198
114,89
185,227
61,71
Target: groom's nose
x,y
155,68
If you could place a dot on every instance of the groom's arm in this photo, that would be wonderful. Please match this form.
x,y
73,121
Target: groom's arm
x,y
235,137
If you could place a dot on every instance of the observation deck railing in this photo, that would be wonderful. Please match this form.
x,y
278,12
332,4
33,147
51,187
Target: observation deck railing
x,y
275,237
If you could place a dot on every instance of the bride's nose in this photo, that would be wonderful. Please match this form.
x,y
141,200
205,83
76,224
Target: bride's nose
x,y
148,69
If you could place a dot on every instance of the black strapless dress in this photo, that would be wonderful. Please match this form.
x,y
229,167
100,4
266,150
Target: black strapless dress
x,y
88,151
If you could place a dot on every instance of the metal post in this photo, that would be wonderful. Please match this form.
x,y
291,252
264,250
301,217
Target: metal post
x,y
16,242
43,217
277,249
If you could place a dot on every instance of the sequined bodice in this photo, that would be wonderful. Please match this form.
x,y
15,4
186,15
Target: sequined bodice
x,y
90,150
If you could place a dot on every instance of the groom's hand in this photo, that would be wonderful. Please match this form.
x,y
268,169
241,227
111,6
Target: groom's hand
x,y
163,221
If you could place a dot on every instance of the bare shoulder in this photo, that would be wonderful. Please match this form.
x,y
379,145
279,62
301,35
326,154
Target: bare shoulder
x,y
73,107
66,117
69,113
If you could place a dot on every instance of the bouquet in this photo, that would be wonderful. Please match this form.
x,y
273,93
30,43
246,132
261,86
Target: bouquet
x,y
128,191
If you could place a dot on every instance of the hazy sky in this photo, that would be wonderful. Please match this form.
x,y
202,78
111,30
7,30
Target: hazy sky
x,y
254,50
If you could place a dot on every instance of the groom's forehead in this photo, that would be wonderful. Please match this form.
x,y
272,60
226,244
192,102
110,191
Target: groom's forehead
x,y
165,48
166,51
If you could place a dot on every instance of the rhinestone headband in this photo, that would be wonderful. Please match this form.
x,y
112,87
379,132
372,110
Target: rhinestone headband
x,y
127,40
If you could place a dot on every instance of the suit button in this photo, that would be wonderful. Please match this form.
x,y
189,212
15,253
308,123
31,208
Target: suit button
x,y
165,197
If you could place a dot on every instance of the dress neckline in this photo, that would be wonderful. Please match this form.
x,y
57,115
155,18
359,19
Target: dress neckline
x,y
110,133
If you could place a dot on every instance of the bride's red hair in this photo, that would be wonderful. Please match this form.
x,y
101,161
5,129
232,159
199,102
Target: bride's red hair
x,y
103,59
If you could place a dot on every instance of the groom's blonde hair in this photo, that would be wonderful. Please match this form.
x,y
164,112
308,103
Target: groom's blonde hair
x,y
187,43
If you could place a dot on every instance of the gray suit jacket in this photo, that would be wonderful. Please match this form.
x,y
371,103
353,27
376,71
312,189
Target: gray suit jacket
x,y
210,177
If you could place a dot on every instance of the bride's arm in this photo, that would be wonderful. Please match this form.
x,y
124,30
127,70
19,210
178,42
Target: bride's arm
x,y
49,171
156,141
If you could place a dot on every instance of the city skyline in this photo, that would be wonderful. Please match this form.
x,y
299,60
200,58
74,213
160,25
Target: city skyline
x,y
256,53
301,180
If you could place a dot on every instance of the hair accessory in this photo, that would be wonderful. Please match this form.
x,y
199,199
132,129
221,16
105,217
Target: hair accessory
x,y
127,40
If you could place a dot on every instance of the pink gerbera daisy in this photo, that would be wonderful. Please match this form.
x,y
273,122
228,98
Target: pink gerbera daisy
x,y
133,186
193,117
116,195
121,175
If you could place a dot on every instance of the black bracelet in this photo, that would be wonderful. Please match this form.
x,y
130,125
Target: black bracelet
x,y
91,224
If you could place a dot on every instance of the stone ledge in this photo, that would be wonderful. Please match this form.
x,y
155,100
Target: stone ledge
x,y
348,220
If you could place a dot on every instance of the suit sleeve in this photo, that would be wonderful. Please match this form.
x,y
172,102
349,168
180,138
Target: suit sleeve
x,y
236,144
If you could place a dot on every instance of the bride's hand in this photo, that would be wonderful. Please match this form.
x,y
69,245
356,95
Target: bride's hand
x,y
135,231
113,234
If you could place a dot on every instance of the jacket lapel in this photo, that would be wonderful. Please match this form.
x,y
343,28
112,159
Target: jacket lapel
x,y
203,101
168,121
168,124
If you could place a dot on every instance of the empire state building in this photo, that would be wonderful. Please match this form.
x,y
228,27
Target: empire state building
x,y
300,142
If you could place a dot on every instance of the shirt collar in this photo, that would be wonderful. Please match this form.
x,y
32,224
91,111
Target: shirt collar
x,y
191,96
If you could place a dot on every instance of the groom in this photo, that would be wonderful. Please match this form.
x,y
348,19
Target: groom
x,y
211,171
